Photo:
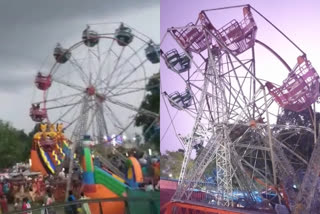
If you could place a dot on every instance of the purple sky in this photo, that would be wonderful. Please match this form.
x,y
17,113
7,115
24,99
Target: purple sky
x,y
299,20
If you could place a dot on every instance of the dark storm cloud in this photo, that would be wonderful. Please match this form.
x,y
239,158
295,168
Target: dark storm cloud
x,y
32,12
13,83
29,30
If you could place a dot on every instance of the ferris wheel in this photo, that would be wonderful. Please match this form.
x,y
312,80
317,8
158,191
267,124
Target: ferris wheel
x,y
228,109
95,86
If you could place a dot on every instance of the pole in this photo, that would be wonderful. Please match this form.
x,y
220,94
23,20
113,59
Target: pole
x,y
274,171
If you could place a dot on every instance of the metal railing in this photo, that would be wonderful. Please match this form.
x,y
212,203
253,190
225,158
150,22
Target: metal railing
x,y
149,202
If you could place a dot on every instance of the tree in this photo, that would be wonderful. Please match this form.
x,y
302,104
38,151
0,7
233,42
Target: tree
x,y
303,118
303,141
171,163
151,102
15,145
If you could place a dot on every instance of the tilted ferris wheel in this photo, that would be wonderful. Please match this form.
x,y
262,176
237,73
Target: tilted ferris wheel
x,y
234,109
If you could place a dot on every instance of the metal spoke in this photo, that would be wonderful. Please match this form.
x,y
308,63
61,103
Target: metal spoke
x,y
125,61
75,64
62,106
66,112
114,117
132,108
109,77
124,84
59,98
98,81
126,77
127,92
68,84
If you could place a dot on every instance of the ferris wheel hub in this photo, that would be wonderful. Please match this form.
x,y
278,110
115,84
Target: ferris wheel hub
x,y
91,90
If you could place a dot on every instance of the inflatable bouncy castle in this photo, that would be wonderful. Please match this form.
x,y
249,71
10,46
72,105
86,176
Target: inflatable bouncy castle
x,y
50,148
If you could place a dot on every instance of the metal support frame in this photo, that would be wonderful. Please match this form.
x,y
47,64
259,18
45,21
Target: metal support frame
x,y
79,131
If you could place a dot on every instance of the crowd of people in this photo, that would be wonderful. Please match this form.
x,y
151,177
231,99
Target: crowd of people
x,y
48,199
82,208
24,192
151,173
20,192
149,186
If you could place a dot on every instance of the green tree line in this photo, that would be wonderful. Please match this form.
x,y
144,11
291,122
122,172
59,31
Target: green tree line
x,y
15,145
151,102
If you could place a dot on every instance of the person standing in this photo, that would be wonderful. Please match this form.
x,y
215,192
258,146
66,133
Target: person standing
x,y
49,201
62,175
24,205
71,209
16,204
28,206
6,188
85,206
1,185
149,187
157,187
4,204
156,171
32,193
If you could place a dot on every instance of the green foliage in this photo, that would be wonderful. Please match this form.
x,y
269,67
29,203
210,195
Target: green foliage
x,y
171,163
151,102
303,118
15,145
301,140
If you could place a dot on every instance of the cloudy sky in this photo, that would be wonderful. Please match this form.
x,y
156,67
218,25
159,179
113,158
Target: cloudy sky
x,y
297,19
30,30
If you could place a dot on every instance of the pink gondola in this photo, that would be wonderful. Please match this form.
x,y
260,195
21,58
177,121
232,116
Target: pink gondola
x,y
237,36
37,114
192,38
299,90
43,82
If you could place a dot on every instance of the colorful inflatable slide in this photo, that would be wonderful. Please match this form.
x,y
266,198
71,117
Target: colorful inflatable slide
x,y
134,174
49,149
99,183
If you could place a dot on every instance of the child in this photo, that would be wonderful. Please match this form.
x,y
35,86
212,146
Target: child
x,y
24,205
29,206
